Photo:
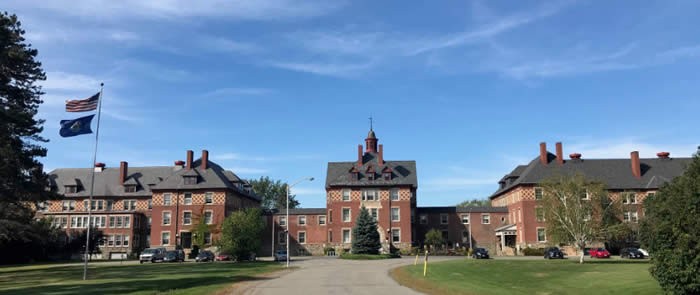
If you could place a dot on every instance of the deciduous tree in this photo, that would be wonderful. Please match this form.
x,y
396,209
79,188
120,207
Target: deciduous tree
x,y
475,203
434,238
273,193
240,233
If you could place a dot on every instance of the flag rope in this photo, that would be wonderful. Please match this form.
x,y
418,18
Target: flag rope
x,y
92,186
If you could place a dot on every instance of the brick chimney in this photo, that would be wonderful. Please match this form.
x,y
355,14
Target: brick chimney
x,y
636,168
190,154
543,153
380,155
359,155
123,167
179,164
560,154
663,155
99,167
575,156
205,160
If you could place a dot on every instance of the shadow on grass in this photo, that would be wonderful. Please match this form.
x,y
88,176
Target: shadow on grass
x,y
150,286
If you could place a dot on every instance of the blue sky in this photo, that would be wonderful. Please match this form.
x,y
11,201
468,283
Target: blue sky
x,y
468,89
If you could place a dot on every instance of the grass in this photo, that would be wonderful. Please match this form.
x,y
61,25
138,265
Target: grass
x,y
367,256
529,277
171,278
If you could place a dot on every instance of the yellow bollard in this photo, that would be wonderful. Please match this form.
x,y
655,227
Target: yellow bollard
x,y
425,264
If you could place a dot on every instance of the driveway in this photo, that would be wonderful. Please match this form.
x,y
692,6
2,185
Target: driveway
x,y
327,275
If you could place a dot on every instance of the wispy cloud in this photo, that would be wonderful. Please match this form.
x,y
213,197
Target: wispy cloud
x,y
248,170
238,91
621,148
342,69
227,45
63,81
680,52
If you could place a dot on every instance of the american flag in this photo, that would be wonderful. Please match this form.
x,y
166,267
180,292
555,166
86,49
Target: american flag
x,y
83,105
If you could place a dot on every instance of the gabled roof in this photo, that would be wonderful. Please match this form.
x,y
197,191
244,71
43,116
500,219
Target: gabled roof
x,y
616,174
106,181
403,173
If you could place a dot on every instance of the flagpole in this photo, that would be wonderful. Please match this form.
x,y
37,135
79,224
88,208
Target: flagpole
x,y
92,184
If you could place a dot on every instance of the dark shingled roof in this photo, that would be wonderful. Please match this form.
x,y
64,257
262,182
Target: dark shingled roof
x,y
403,173
147,179
302,211
615,173
452,209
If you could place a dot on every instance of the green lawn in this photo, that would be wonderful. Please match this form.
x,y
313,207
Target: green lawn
x,y
530,277
171,278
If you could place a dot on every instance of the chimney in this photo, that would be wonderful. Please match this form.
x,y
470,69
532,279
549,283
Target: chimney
x,y
636,168
205,160
575,156
663,155
99,167
123,167
543,153
359,155
190,154
380,154
179,164
560,154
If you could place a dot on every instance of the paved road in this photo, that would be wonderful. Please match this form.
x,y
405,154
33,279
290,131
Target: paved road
x,y
322,275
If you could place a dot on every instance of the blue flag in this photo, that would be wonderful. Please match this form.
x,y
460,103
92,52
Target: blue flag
x,y
76,126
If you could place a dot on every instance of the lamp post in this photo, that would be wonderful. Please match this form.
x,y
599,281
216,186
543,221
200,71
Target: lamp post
x,y
287,218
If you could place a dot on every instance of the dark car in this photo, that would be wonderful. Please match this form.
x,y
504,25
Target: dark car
x,y
632,253
553,252
174,256
480,253
204,256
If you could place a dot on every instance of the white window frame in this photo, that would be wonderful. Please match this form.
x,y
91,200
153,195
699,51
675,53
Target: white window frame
x,y
342,235
349,216
129,205
343,195
301,220
396,230
299,234
537,217
487,220
170,218
394,194
626,198
162,236
374,193
207,238
465,217
211,216
184,219
282,220
544,233
374,212
541,193
320,218
398,214
208,198
167,199
444,218
185,198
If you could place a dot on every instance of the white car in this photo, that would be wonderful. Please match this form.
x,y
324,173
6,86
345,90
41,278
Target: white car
x,y
644,252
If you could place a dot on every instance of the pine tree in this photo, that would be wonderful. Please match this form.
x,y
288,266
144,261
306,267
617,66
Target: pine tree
x,y
365,235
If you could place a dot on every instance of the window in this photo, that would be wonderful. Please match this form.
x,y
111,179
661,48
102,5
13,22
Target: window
x,y
330,215
166,218
330,236
129,205
167,199
111,221
187,217
209,198
465,219
188,199
346,195
109,204
110,241
629,198
374,212
541,235
370,195
208,217
150,220
519,215
346,215
190,179
539,214
301,237
394,194
207,238
650,195
150,204
42,206
71,189
165,238
282,238
585,196
444,219
346,236
485,218
322,220
130,188
423,219
538,193
125,242
631,217
120,221
282,220
68,205
127,221
387,175
118,241
396,235
395,214
301,220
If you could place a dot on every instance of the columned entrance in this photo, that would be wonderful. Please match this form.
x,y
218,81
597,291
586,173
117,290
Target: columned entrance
x,y
505,238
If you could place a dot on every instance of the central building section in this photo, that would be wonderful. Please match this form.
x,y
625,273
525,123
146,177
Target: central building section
x,y
386,188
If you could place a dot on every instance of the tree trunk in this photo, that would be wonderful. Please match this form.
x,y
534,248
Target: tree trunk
x,y
580,260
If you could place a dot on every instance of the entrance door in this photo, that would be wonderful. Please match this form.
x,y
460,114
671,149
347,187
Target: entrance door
x,y
186,240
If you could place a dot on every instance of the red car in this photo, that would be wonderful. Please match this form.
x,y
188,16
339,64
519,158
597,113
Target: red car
x,y
599,253
223,257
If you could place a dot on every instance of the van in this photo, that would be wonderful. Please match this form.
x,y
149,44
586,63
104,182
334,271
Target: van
x,y
152,255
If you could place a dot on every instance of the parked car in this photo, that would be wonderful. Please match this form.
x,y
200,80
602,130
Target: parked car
x,y
644,252
599,253
174,256
152,255
631,253
204,256
223,257
480,253
553,252
280,255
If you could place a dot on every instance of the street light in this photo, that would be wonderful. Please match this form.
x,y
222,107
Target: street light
x,y
287,218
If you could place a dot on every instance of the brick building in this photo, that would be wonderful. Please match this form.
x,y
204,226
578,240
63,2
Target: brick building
x,y
631,179
138,207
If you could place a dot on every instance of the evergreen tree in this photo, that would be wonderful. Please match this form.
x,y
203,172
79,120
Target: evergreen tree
x,y
670,231
22,179
365,237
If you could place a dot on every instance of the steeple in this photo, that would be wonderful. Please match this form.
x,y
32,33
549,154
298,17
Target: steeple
x,y
371,140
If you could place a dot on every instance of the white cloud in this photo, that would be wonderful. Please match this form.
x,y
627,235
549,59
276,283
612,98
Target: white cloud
x,y
69,82
680,52
227,45
248,170
238,91
621,148
325,69
124,36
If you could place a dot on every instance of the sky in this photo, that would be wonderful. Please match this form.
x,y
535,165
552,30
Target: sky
x,y
467,89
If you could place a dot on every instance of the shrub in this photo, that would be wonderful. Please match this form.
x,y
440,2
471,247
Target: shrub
x,y
533,251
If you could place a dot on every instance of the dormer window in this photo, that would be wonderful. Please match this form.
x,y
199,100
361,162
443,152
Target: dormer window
x,y
370,172
129,188
370,176
386,175
71,189
190,179
354,174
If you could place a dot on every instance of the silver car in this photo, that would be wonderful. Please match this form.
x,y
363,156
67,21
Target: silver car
x,y
280,255
152,255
